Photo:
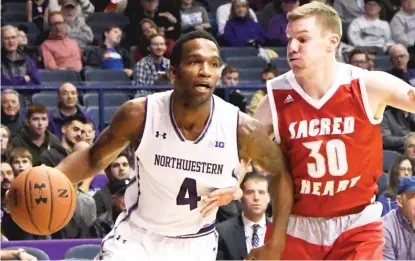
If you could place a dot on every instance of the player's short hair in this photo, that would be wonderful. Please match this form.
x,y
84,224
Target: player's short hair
x,y
253,176
325,15
72,118
176,54
229,69
36,108
20,152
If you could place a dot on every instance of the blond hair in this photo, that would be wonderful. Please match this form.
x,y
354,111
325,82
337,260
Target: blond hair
x,y
325,15
407,139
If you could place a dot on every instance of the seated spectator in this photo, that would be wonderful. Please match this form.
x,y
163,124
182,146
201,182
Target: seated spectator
x,y
222,16
368,29
67,106
349,10
6,177
77,28
147,29
409,146
11,116
89,132
22,38
371,57
399,224
359,58
153,69
240,234
194,17
396,124
403,167
278,23
267,74
230,77
20,159
35,136
60,52
37,12
84,8
110,55
400,57
16,67
4,141
72,133
241,29
402,24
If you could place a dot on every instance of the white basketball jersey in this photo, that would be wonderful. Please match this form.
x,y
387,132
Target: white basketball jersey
x,y
174,174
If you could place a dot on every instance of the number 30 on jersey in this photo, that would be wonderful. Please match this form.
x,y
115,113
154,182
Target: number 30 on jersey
x,y
336,158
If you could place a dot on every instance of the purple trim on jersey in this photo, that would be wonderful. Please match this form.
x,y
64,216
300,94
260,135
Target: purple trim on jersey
x,y
234,175
177,129
202,232
237,136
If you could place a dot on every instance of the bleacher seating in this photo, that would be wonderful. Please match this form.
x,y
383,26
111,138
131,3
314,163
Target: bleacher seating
x,y
246,62
227,52
383,183
47,98
280,63
59,76
251,75
94,76
83,252
108,113
111,98
389,158
383,62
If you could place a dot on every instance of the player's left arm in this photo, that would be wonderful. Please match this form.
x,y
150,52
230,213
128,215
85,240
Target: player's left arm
x,y
384,89
255,145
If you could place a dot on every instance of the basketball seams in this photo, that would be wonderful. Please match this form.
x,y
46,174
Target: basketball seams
x,y
30,199
51,200
70,208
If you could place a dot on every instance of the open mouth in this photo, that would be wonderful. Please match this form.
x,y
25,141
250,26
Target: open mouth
x,y
202,87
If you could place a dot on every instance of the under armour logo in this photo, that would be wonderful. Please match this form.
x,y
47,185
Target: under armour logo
x,y
118,238
164,135
40,198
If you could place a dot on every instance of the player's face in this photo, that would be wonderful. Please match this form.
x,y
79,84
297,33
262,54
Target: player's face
x,y
230,79
255,198
309,44
74,132
196,76
38,123
7,175
4,139
405,169
20,164
406,201
120,168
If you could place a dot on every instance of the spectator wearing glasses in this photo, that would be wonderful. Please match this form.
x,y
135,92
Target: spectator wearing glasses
x,y
399,56
359,58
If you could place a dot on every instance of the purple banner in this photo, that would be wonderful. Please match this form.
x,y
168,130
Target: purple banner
x,y
55,249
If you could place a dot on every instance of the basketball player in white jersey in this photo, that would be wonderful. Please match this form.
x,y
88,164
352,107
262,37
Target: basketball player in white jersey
x,y
326,117
187,143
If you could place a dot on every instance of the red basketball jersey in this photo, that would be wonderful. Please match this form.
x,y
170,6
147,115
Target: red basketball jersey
x,y
334,145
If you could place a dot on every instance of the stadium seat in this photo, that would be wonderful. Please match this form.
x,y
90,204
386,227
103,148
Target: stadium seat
x,y
383,62
281,51
38,253
29,28
280,63
389,158
142,93
345,27
227,52
49,99
59,76
108,113
252,75
106,76
383,183
108,19
14,7
246,62
85,252
248,94
31,39
111,98
12,16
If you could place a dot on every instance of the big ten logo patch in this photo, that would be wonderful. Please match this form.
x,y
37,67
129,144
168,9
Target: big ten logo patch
x,y
216,144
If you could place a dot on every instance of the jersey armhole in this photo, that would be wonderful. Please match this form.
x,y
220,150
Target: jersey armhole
x,y
366,104
274,113
147,116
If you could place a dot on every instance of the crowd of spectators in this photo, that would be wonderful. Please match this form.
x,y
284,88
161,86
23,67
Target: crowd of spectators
x,y
375,33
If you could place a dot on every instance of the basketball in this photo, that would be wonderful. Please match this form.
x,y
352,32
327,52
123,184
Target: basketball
x,y
41,200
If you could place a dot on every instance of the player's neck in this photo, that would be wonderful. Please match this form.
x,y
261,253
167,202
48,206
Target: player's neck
x,y
190,118
319,81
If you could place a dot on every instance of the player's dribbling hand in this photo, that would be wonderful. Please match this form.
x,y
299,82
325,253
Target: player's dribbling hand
x,y
266,252
219,197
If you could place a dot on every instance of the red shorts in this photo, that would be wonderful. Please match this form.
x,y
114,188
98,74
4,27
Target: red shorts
x,y
353,237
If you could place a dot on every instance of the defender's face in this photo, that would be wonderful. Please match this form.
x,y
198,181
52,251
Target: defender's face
x,y
196,76
308,44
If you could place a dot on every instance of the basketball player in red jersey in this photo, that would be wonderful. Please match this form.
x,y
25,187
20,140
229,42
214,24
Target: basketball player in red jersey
x,y
326,117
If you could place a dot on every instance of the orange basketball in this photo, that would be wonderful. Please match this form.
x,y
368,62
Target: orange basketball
x,y
41,200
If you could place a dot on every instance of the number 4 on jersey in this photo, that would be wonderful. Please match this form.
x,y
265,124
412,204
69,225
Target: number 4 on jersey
x,y
188,187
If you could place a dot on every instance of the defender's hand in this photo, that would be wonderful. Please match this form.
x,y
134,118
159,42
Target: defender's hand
x,y
219,197
266,252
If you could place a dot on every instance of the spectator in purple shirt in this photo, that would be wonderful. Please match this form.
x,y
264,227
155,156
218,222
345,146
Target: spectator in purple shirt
x,y
399,224
16,67
241,29
278,23
67,106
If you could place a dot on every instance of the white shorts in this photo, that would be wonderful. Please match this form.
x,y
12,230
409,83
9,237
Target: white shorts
x,y
127,241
